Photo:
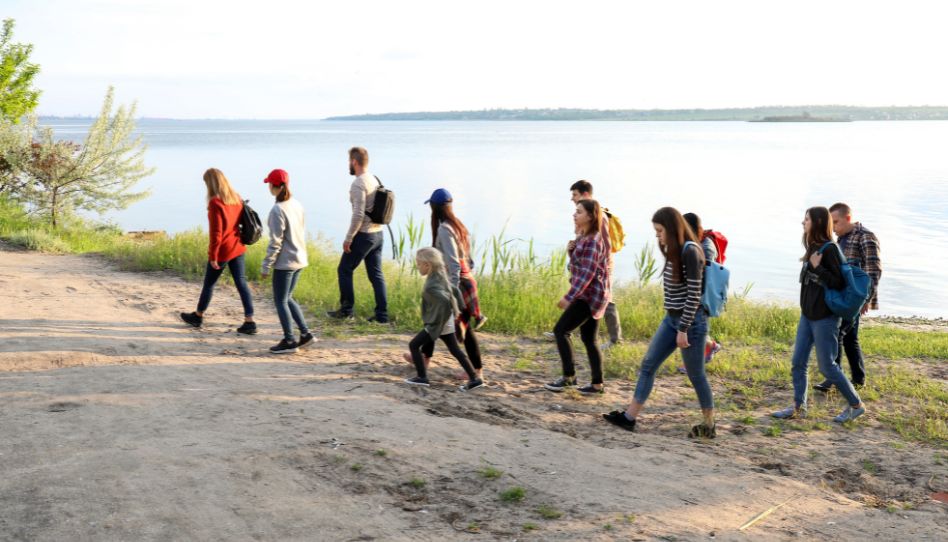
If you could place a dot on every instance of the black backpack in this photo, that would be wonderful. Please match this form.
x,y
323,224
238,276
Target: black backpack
x,y
384,206
249,225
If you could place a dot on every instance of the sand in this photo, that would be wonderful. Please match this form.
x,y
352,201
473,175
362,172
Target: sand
x,y
118,422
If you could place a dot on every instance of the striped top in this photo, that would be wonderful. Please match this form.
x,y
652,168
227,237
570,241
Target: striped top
x,y
685,296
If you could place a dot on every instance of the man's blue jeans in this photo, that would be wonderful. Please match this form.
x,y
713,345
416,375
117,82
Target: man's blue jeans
x,y
368,247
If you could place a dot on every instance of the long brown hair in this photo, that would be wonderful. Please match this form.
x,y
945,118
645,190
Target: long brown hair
x,y
219,187
593,209
444,212
677,233
821,230
284,193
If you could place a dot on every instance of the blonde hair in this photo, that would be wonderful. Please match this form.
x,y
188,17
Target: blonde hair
x,y
219,187
432,257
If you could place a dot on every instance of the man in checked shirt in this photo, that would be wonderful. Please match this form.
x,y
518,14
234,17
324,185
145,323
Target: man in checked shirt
x,y
861,247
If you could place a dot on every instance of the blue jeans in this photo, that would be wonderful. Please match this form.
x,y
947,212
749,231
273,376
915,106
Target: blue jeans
x,y
664,344
824,335
368,247
237,271
284,282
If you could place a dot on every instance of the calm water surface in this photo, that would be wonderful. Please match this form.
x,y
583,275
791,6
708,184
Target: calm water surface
x,y
752,181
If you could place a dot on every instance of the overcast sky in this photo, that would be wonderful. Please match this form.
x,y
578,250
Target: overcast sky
x,y
282,59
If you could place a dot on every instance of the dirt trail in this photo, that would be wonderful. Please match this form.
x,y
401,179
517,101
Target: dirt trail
x,y
119,423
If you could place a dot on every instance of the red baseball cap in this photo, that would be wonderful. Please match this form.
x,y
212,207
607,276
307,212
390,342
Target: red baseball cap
x,y
278,177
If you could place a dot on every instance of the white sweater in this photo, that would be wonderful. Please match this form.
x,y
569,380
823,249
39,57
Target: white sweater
x,y
287,248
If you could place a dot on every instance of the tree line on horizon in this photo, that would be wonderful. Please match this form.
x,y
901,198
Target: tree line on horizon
x,y
846,112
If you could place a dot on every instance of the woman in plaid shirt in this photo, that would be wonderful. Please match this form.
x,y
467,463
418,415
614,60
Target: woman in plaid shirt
x,y
589,293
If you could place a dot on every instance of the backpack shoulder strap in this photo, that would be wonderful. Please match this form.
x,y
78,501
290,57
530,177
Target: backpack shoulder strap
x,y
379,180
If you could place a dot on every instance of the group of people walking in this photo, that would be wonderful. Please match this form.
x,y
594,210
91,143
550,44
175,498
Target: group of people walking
x,y
450,307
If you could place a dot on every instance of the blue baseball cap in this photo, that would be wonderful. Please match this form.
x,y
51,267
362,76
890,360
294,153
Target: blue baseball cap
x,y
439,197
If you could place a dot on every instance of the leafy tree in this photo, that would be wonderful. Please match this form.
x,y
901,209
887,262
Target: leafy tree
x,y
15,153
97,175
17,95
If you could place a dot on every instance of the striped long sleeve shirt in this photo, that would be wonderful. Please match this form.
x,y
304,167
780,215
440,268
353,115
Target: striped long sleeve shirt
x,y
685,296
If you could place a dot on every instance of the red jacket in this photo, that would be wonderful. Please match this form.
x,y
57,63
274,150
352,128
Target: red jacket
x,y
222,221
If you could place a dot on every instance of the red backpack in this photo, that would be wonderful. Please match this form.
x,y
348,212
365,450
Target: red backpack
x,y
720,243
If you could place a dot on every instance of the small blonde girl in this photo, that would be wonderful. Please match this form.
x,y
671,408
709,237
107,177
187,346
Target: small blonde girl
x,y
439,308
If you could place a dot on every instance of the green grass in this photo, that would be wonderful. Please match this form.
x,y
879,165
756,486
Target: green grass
x,y
514,494
518,290
548,512
490,473
417,483
527,527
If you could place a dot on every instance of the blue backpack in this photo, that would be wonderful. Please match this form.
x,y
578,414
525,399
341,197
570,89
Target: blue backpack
x,y
847,302
714,290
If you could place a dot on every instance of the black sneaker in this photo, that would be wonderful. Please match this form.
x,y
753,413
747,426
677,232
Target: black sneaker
x,y
472,385
617,417
702,430
285,347
377,320
561,384
339,315
192,318
306,340
590,389
823,386
479,322
249,328
417,381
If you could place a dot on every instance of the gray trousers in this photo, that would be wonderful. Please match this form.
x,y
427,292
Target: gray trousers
x,y
613,325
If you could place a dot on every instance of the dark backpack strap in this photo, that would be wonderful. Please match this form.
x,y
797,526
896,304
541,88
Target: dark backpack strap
x,y
379,180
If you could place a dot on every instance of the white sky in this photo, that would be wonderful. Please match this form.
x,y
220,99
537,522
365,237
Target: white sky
x,y
312,59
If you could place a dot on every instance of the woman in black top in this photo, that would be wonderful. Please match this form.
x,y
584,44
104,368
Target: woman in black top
x,y
819,326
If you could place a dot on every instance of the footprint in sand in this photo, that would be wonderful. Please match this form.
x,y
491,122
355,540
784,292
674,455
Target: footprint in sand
x,y
71,290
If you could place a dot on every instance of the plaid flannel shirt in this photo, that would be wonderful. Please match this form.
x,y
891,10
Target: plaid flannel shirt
x,y
589,274
861,247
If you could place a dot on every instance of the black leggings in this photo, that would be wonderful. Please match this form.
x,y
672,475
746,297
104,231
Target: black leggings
x,y
423,339
578,314
470,346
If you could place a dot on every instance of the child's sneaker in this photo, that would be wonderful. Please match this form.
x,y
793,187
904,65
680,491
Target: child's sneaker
x,y
472,385
589,389
561,384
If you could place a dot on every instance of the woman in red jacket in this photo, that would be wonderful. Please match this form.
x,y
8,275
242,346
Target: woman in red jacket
x,y
223,214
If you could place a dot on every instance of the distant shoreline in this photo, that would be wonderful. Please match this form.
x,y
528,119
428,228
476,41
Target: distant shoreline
x,y
841,112
836,112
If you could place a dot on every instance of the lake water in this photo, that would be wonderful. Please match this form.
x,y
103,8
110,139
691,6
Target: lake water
x,y
751,181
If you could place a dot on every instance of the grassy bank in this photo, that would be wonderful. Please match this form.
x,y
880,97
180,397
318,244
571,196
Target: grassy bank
x,y
519,289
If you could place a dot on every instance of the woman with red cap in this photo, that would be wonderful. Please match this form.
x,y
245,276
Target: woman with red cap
x,y
286,257
224,249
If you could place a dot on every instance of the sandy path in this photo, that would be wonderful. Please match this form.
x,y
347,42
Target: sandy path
x,y
117,423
